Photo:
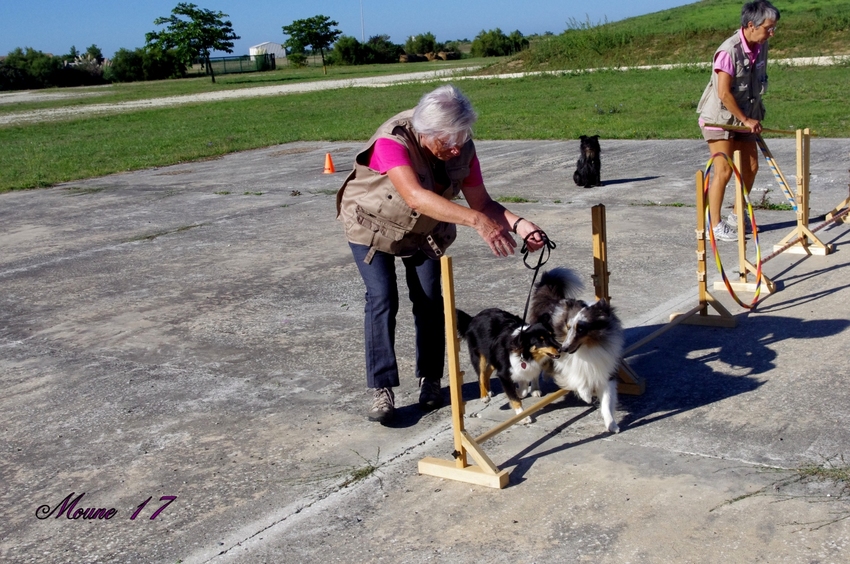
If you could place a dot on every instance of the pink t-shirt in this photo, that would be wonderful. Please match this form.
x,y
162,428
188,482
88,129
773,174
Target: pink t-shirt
x,y
388,154
723,63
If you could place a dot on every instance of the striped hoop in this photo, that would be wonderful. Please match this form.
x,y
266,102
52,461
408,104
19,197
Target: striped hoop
x,y
706,184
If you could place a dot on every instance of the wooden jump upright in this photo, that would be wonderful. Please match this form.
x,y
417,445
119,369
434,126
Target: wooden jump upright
x,y
801,239
699,315
486,473
801,231
628,381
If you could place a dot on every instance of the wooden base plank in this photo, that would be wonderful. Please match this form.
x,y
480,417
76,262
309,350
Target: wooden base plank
x,y
706,320
471,474
746,287
628,381
806,250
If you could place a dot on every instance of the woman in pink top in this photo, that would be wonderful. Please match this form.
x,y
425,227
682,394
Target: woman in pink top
x,y
734,97
399,202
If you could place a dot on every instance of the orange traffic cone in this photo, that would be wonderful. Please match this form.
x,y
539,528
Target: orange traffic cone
x,y
329,164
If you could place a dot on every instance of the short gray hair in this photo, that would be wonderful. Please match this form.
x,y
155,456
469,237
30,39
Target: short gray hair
x,y
757,12
445,113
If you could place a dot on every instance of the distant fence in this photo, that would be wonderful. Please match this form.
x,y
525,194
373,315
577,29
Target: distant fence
x,y
234,65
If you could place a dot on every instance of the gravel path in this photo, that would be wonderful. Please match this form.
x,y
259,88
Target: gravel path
x,y
90,109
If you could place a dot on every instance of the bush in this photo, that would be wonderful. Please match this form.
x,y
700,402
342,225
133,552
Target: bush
x,y
144,64
347,51
297,60
382,50
126,66
378,49
29,69
32,69
420,44
495,43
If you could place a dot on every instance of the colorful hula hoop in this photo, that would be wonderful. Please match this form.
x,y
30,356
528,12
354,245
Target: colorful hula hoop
x,y
706,184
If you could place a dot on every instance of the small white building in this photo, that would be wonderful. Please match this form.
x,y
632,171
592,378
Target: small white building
x,y
270,48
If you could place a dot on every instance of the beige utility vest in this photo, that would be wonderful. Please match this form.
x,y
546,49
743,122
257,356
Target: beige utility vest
x,y
748,85
374,213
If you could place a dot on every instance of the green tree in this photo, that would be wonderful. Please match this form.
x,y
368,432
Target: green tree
x,y
144,64
495,43
193,32
378,49
316,32
383,50
30,69
517,41
94,53
420,44
348,51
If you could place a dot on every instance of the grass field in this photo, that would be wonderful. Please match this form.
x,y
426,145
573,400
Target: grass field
x,y
637,104
690,33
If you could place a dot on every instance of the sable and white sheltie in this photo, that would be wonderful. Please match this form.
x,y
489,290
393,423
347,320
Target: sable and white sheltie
x,y
499,341
590,334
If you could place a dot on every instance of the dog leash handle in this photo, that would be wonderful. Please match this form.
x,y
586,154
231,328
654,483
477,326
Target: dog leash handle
x,y
543,258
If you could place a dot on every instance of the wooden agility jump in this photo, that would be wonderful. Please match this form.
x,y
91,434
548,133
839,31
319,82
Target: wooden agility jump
x,y
484,472
801,239
702,313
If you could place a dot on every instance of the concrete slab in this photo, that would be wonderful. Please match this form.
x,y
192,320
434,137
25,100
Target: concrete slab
x,y
195,332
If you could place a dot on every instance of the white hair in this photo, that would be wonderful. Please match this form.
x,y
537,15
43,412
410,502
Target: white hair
x,y
445,113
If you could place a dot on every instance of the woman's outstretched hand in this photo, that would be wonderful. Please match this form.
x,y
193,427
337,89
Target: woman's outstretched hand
x,y
496,236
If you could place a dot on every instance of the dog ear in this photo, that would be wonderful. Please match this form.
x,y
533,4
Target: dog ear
x,y
604,307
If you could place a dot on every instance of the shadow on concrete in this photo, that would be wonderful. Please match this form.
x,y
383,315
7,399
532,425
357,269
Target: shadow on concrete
x,y
629,180
677,366
679,375
522,463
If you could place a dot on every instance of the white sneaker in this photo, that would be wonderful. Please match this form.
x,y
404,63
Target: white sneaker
x,y
723,232
732,220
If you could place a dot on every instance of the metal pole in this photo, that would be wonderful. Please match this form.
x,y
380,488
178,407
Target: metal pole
x,y
362,28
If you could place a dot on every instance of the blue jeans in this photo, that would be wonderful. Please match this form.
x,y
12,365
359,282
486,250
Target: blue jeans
x,y
423,283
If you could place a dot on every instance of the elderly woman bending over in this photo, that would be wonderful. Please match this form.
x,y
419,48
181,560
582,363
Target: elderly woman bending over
x,y
399,202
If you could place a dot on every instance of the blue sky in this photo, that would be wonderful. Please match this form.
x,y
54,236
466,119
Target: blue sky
x,y
53,26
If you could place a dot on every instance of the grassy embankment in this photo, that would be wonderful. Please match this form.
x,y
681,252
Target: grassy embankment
x,y
646,104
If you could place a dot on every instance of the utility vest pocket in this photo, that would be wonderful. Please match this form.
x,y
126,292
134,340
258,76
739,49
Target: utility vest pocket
x,y
377,224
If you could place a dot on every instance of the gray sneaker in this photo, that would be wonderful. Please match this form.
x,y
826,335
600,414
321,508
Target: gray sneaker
x,y
383,406
722,232
430,394
732,220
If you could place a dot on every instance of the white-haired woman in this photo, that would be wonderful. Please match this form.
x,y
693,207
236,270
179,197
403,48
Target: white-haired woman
x,y
398,202
733,97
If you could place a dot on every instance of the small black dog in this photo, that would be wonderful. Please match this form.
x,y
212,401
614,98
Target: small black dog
x,y
589,168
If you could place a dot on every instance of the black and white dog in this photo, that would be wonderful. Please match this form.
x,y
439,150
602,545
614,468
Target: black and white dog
x,y
589,166
499,342
591,338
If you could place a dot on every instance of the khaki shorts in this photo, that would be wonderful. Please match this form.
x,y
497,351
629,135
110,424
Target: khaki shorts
x,y
723,134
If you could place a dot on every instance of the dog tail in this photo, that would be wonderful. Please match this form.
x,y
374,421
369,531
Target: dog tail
x,y
463,321
554,286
